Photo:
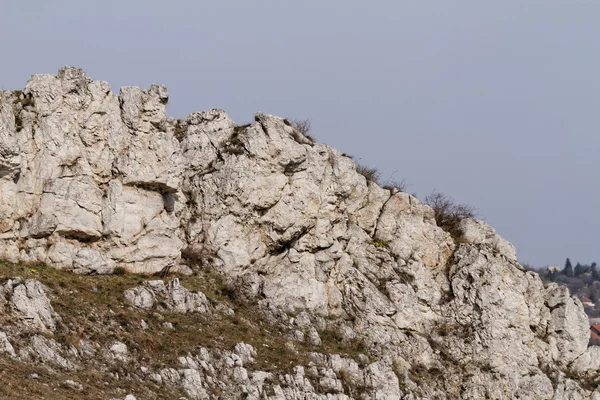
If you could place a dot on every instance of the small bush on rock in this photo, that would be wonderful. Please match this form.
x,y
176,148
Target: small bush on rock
x,y
234,145
448,214
301,125
119,271
372,174
396,185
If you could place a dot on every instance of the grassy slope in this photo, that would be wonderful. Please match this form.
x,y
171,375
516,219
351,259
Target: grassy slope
x,y
93,308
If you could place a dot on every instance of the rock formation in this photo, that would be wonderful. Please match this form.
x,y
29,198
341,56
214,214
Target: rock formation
x,y
91,181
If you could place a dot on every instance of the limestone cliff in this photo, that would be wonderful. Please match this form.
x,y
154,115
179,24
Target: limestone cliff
x,y
91,181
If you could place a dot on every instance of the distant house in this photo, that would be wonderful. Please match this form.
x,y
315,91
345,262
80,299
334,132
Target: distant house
x,y
553,268
587,302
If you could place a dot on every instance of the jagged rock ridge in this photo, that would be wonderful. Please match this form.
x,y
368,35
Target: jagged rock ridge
x,y
91,181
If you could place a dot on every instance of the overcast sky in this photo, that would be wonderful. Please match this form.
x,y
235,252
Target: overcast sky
x,y
495,103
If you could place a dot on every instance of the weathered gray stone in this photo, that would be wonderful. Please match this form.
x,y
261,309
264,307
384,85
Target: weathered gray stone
x,y
6,346
192,384
88,261
10,158
173,296
479,233
28,299
119,351
91,181
46,350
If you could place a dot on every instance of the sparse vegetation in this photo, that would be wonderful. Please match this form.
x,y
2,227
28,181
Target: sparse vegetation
x,y
119,271
394,184
234,145
304,127
181,127
18,384
301,125
372,174
21,102
93,308
239,129
398,185
380,243
448,214
334,342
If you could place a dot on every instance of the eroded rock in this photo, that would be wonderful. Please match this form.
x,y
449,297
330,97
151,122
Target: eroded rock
x,y
171,295
28,299
91,181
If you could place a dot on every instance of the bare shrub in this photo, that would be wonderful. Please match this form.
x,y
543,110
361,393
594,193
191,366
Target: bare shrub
x,y
395,184
398,185
372,174
303,126
448,214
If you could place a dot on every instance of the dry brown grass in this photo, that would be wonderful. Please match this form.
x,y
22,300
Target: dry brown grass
x,y
93,308
16,383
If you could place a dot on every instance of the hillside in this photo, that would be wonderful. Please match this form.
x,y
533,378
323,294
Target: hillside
x,y
196,258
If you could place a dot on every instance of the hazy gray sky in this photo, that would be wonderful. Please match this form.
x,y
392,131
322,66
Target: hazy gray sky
x,y
495,103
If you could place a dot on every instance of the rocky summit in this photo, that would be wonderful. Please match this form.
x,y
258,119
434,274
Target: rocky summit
x,y
217,261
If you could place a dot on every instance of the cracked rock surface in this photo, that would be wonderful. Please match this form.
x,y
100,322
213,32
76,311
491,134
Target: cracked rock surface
x,y
91,181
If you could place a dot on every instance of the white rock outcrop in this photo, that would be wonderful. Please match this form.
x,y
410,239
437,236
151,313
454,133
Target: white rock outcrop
x,y
27,298
171,296
91,181
6,346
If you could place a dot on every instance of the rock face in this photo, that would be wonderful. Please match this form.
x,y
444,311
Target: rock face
x,y
91,181
88,178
